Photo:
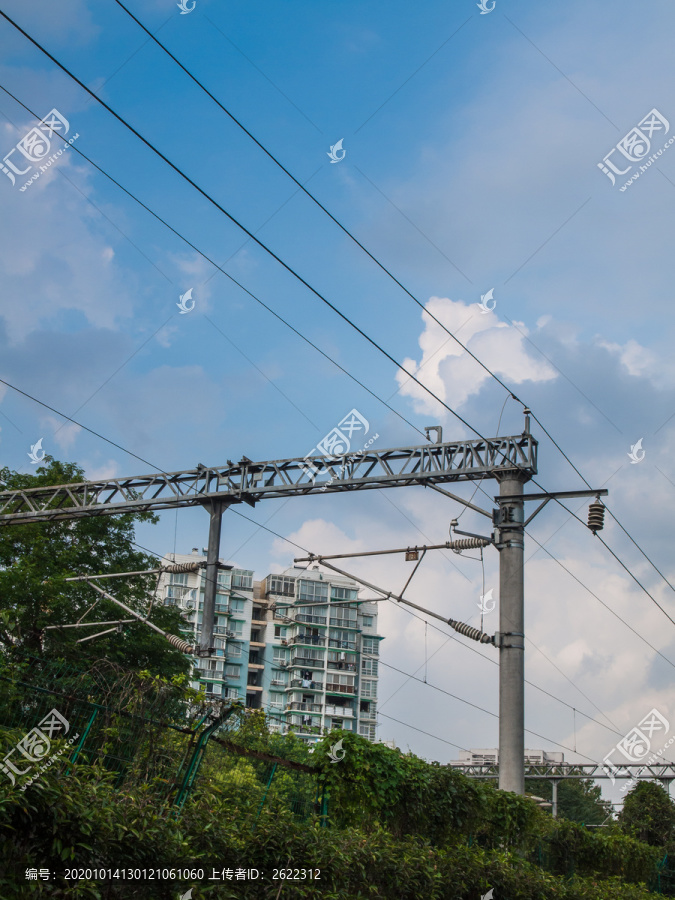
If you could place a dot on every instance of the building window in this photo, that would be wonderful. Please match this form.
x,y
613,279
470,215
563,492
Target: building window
x,y
233,671
370,646
342,593
237,604
343,616
234,650
313,591
367,621
281,584
242,578
367,731
369,666
369,689
279,631
237,628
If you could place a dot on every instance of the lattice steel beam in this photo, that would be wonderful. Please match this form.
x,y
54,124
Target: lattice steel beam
x,y
249,481
571,770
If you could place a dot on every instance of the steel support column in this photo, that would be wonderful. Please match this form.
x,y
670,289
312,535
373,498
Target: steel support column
x,y
511,643
215,508
554,798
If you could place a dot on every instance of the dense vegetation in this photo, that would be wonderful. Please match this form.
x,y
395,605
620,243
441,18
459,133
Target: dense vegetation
x,y
376,824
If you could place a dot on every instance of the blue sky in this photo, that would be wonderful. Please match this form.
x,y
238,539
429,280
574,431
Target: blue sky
x,y
472,143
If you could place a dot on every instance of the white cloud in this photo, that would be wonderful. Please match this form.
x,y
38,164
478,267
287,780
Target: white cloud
x,y
447,370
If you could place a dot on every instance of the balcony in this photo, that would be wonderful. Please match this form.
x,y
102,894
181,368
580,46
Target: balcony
x,y
341,645
310,620
305,707
212,674
312,640
307,662
260,622
342,666
305,685
258,644
341,688
256,665
339,711
277,682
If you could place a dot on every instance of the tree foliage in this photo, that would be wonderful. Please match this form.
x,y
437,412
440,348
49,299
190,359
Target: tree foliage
x,y
35,560
649,814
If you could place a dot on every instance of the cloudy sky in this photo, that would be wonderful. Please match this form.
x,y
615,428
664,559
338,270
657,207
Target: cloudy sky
x,y
472,143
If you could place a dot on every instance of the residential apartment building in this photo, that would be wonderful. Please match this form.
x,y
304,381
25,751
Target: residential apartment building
x,y
300,645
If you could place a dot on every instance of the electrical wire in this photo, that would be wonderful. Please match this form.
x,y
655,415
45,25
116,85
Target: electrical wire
x,y
277,258
466,645
313,290
386,270
212,262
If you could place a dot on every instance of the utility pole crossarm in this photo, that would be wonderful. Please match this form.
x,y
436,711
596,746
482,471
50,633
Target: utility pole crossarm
x,y
249,482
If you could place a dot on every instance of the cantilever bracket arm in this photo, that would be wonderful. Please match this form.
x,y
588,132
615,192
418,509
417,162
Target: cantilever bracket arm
x,y
459,500
551,495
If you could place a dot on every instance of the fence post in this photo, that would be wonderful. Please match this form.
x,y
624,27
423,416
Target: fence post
x,y
76,752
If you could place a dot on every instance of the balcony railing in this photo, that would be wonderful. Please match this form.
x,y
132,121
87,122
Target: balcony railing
x,y
341,645
310,620
339,711
306,685
314,640
305,707
343,666
307,661
341,688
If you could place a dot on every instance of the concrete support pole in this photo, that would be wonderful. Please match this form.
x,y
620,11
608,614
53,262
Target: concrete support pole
x,y
554,798
512,637
215,509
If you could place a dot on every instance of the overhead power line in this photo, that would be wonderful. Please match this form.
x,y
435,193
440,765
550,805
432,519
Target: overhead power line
x,y
384,268
252,236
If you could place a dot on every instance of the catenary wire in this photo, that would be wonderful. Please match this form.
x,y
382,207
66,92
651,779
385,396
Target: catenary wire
x,y
262,245
384,268
212,262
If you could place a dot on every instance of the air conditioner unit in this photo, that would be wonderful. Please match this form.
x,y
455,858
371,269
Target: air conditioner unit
x,y
231,634
283,664
284,642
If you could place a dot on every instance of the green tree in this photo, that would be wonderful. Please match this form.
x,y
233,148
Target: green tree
x,y
579,799
35,560
649,814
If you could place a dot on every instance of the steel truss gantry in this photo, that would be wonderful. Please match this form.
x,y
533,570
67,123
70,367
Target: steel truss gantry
x,y
556,772
512,461
249,482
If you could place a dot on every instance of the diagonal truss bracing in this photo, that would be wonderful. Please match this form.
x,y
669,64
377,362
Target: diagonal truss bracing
x,y
249,481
